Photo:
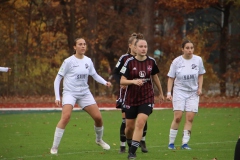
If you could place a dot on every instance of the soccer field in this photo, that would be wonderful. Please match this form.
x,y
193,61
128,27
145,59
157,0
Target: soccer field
x,y
28,135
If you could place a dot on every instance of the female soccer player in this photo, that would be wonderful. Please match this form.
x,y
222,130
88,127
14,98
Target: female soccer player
x,y
75,71
186,72
137,74
117,76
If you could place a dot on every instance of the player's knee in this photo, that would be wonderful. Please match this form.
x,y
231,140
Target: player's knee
x,y
178,120
98,120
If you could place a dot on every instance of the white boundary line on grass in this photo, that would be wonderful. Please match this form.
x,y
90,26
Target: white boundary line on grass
x,y
162,150
59,109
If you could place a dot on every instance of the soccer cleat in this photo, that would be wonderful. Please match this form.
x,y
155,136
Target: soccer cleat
x,y
143,146
185,146
54,151
103,144
122,149
171,146
132,156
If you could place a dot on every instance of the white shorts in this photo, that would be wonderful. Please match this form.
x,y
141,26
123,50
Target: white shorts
x,y
185,101
82,100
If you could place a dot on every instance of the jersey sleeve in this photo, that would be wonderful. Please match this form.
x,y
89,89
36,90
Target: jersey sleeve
x,y
92,70
116,71
172,70
124,70
201,67
155,69
64,68
3,69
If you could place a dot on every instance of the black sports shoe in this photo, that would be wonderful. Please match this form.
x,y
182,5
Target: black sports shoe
x,y
143,146
122,149
132,156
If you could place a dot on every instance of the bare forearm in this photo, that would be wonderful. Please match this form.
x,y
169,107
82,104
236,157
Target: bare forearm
x,y
157,83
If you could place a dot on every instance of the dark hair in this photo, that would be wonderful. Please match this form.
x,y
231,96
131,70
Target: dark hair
x,y
185,42
139,37
75,42
130,40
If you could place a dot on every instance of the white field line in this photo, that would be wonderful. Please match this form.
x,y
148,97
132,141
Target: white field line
x,y
161,150
56,109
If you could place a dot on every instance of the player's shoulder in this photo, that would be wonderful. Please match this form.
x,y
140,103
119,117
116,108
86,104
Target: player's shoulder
x,y
177,59
69,59
151,58
196,57
125,56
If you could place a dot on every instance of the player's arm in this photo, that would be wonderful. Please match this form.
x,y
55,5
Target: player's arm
x,y
57,82
116,71
4,69
125,77
159,86
200,83
169,88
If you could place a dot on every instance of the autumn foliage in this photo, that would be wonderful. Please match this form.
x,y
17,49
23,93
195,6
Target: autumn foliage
x,y
37,35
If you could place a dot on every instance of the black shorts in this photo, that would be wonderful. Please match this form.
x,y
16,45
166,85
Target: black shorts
x,y
131,112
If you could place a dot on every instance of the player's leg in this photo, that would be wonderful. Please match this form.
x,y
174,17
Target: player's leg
x,y
92,109
131,114
143,140
122,134
143,112
178,107
191,109
237,150
65,117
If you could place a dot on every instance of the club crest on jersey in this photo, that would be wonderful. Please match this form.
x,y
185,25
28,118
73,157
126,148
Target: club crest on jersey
x,y
86,65
194,66
149,68
142,74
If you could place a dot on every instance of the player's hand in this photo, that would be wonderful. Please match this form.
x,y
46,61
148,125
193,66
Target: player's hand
x,y
169,97
123,86
57,102
138,82
161,98
199,92
109,84
9,69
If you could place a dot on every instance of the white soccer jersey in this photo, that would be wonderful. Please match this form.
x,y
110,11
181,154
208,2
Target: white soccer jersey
x,y
185,72
3,69
75,72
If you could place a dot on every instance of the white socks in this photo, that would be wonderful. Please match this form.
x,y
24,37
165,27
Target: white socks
x,y
99,133
172,136
57,137
186,136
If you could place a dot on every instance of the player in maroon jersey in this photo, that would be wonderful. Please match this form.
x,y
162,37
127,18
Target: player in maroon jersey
x,y
138,74
117,76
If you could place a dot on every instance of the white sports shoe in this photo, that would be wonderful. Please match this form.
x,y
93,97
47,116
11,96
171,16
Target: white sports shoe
x,y
103,144
54,151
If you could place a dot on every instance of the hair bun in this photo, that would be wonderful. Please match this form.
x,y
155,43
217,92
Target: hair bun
x,y
139,36
134,35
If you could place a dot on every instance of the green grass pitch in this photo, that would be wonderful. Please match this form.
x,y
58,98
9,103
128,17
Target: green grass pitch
x,y
28,135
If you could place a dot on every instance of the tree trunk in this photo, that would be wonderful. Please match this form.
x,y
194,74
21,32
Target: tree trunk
x,y
69,22
224,38
148,24
92,22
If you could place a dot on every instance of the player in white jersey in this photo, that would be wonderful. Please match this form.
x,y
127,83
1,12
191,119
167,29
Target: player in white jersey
x,y
4,69
186,72
75,71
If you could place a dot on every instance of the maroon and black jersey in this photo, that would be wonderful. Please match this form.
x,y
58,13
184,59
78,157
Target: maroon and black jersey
x,y
117,74
119,65
135,69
